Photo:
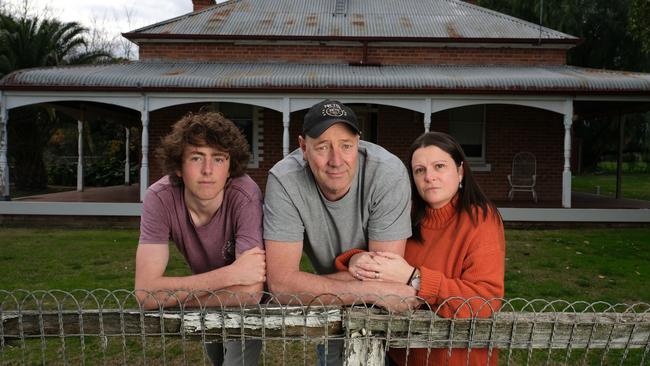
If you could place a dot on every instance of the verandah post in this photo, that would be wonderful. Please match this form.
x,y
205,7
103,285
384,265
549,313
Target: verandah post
x,y
4,141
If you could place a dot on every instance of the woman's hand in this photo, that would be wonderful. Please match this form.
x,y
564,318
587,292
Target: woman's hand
x,y
381,266
355,263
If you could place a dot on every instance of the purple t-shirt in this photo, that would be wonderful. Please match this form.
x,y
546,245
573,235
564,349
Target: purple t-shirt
x,y
235,227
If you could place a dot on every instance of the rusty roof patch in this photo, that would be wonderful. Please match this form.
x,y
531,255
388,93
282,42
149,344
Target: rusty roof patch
x,y
173,72
237,76
217,19
452,31
167,28
225,12
405,22
311,20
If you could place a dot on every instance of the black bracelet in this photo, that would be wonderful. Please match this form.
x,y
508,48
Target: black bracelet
x,y
411,276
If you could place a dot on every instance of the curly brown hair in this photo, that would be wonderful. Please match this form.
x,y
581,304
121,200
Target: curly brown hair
x,y
204,129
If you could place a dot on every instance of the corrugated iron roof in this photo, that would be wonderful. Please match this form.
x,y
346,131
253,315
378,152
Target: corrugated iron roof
x,y
397,19
170,76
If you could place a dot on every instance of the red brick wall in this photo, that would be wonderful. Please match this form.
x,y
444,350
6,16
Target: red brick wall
x,y
509,129
397,128
271,140
346,54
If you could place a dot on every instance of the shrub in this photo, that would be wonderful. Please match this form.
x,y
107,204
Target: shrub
x,y
97,172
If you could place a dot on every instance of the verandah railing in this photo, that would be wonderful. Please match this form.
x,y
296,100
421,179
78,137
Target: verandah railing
x,y
109,327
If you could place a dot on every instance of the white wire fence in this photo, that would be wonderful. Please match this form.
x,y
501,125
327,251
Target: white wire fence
x,y
111,328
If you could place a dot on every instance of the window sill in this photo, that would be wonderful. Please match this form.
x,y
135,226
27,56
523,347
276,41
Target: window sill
x,y
480,166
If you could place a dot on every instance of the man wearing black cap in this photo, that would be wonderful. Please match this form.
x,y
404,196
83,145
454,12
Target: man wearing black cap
x,y
333,194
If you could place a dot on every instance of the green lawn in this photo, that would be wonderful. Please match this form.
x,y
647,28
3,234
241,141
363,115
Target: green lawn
x,y
591,265
606,264
41,259
636,186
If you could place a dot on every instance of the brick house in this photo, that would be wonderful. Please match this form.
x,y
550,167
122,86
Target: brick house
x,y
500,85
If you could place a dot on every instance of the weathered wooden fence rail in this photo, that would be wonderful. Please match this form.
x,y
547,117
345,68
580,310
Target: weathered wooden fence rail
x,y
421,329
43,325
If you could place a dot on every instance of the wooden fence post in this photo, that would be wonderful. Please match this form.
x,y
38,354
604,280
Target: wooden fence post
x,y
362,351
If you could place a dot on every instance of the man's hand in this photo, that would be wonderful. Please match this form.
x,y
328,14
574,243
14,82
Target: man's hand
x,y
399,299
251,266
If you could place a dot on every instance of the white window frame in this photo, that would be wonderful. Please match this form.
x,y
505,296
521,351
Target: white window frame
x,y
478,164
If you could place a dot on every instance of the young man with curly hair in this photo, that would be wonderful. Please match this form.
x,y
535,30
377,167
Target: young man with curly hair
x,y
212,212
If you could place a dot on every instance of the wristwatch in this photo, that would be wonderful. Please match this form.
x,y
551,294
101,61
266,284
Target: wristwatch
x,y
415,280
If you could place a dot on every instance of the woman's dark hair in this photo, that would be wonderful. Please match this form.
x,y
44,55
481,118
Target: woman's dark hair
x,y
204,129
471,198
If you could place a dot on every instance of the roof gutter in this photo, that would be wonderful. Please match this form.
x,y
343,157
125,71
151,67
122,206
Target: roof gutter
x,y
417,91
137,37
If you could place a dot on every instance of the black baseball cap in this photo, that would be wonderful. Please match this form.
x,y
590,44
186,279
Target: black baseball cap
x,y
323,115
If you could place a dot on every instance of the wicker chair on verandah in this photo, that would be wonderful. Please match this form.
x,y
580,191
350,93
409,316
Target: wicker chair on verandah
x,y
524,174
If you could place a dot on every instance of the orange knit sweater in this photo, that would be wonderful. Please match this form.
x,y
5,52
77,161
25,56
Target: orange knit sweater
x,y
456,259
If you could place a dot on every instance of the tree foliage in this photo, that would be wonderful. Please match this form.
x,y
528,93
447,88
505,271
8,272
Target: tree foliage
x,y
640,23
32,42
27,42
605,27
614,35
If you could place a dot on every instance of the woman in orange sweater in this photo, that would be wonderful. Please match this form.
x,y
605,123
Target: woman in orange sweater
x,y
456,253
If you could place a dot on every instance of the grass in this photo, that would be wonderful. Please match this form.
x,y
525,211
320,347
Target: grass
x,y
635,186
41,259
45,259
139,351
590,265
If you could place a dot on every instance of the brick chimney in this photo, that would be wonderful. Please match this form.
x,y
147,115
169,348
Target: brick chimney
x,y
202,4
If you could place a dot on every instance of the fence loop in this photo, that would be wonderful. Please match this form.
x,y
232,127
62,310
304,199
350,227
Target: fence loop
x,y
115,327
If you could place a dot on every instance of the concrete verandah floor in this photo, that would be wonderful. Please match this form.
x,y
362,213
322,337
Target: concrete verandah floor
x,y
579,200
118,194
131,194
